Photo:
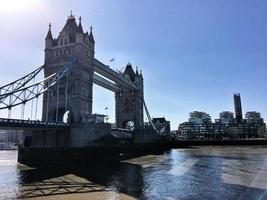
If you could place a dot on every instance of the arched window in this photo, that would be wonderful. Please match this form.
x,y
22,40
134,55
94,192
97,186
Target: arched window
x,y
61,41
127,101
65,41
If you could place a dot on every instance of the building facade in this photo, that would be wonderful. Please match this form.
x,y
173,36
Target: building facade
x,y
200,126
199,117
253,117
226,117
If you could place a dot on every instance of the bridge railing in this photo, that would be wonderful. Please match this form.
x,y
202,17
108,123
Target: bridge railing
x,y
30,123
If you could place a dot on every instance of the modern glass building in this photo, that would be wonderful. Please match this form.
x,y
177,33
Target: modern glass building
x,y
238,107
198,117
254,117
226,117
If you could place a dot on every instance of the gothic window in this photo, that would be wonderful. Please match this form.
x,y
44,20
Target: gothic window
x,y
60,52
86,75
69,50
62,91
57,53
127,109
61,41
86,93
126,101
65,41
65,51
51,93
82,108
71,38
86,108
82,91
72,88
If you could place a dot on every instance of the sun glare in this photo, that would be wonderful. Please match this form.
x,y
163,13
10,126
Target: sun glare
x,y
15,5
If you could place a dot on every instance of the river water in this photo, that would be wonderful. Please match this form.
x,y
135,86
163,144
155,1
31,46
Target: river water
x,y
192,173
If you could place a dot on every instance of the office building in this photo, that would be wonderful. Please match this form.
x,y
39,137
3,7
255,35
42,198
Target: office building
x,y
238,108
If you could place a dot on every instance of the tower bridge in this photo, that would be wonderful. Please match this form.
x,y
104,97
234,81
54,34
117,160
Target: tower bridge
x,y
70,70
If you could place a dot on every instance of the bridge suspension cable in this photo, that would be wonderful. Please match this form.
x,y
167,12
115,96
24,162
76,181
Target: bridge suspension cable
x,y
161,131
21,93
15,85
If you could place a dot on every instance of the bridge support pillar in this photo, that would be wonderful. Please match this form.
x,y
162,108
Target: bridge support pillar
x,y
43,146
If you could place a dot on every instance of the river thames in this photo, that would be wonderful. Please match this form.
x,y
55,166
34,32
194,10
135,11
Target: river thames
x,y
192,173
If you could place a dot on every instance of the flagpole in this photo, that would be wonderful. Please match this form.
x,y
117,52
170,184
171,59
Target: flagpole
x,y
106,108
112,60
107,114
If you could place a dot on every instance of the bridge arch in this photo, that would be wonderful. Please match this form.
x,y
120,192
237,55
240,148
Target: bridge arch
x,y
129,124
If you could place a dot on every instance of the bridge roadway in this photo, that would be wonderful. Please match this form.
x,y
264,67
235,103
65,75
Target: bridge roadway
x,y
18,124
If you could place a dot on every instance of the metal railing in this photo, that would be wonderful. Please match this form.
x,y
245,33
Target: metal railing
x,y
18,123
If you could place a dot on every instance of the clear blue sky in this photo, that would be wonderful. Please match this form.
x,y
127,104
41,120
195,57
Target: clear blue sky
x,y
194,53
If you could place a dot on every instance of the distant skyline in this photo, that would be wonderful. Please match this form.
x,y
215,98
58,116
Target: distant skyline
x,y
194,54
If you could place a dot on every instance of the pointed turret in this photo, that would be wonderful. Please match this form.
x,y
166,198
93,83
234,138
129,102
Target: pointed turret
x,y
80,28
91,37
49,38
49,33
136,71
129,72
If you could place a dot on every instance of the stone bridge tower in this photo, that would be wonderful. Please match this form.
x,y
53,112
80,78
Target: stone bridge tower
x,y
129,103
74,93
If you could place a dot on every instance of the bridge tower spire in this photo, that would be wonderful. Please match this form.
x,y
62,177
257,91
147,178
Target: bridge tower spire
x,y
80,28
91,36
